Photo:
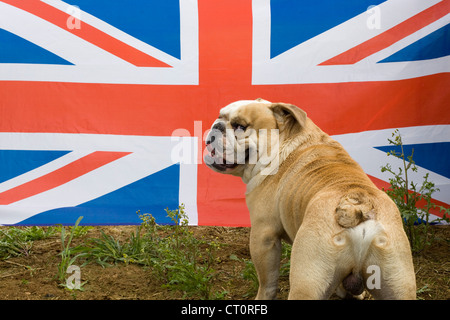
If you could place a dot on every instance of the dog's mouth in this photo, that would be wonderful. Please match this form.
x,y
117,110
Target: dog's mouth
x,y
219,162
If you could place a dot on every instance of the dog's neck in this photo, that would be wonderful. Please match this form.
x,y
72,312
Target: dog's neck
x,y
255,174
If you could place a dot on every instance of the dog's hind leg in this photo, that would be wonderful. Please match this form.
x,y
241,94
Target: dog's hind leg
x,y
389,271
313,266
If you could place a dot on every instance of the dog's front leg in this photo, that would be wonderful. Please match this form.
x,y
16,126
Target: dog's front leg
x,y
265,250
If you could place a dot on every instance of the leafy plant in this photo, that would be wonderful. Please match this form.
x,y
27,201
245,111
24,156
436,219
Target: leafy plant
x,y
179,259
107,250
249,272
78,231
172,252
406,194
68,254
19,241
13,244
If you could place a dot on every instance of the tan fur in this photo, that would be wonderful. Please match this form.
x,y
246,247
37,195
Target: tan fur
x,y
320,200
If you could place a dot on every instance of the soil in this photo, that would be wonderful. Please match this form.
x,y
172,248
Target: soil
x,y
33,277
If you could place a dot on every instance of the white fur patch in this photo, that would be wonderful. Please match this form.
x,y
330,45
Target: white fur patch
x,y
361,237
232,107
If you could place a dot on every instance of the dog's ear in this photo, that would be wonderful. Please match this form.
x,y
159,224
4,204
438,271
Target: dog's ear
x,y
289,117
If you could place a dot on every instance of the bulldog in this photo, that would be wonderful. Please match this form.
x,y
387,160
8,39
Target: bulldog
x,y
304,188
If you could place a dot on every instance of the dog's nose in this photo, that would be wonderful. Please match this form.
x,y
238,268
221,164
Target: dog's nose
x,y
210,140
217,130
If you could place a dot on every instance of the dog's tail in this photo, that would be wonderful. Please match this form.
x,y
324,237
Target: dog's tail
x,y
354,208
356,213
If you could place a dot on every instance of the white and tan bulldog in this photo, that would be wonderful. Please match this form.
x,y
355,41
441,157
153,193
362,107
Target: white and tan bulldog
x,y
304,188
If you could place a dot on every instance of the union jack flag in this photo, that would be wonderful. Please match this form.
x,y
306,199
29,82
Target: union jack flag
x,y
104,104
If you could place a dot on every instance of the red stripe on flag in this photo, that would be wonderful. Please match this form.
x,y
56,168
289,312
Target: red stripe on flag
x,y
391,36
337,108
225,48
225,71
420,204
88,33
59,177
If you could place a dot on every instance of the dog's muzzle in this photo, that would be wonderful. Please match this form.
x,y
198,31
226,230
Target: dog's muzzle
x,y
215,146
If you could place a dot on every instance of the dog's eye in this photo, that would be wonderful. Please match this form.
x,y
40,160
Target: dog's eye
x,y
237,126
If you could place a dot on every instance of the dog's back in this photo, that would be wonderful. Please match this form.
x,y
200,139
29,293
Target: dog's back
x,y
332,198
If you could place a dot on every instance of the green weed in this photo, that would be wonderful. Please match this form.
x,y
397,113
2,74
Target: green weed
x,y
406,194
173,254
19,241
180,260
107,250
249,272
68,254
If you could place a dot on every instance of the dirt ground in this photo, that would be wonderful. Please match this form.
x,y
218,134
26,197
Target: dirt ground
x,y
33,276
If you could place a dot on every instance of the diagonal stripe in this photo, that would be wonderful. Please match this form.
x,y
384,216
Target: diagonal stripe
x,y
42,170
420,204
88,33
437,163
391,36
60,176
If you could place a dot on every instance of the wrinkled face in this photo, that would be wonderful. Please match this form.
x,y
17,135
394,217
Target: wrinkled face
x,y
245,134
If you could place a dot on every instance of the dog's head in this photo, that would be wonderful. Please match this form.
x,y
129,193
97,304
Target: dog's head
x,y
245,139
